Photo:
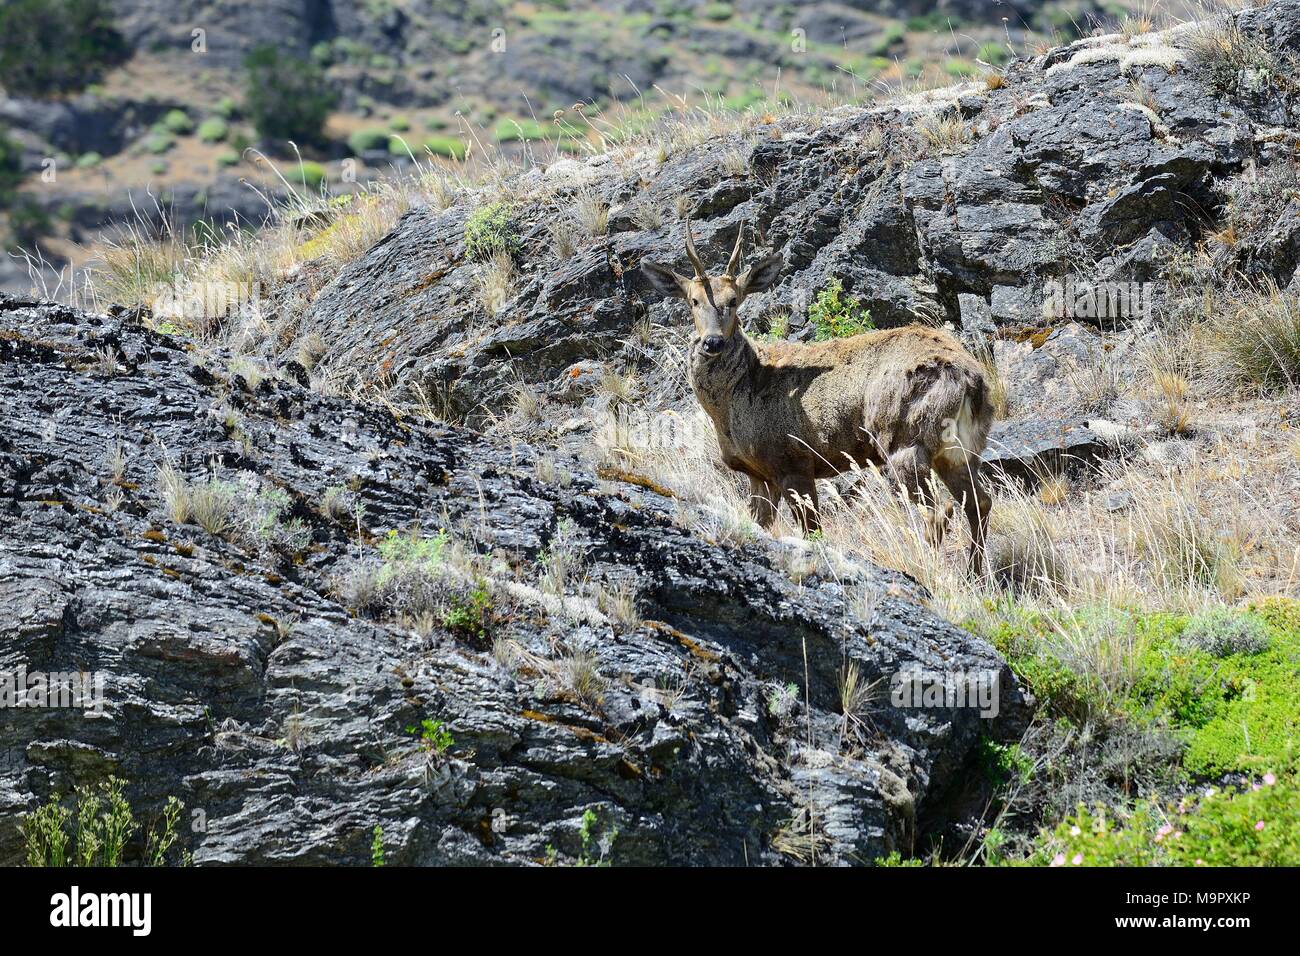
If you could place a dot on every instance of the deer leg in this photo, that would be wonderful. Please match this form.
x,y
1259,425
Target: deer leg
x,y
763,502
910,467
968,487
801,492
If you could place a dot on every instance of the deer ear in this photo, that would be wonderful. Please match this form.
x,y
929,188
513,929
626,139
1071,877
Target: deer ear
x,y
664,280
762,274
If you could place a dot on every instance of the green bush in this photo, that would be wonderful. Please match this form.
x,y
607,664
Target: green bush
x,y
227,108
228,157
994,54
1237,713
177,122
48,47
488,231
366,140
1257,826
286,98
213,130
89,160
159,142
892,34
399,124
448,147
525,130
1224,632
99,830
310,174
717,11
835,315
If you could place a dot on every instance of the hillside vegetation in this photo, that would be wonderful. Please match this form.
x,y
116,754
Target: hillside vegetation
x,y
430,445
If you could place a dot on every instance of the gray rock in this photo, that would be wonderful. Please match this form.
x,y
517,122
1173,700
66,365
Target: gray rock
x,y
238,681
1031,450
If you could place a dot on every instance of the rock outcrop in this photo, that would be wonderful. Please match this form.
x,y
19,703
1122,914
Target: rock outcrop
x,y
702,729
959,208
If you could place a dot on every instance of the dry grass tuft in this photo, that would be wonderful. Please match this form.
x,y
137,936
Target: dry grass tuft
x,y
1259,344
943,134
495,283
591,212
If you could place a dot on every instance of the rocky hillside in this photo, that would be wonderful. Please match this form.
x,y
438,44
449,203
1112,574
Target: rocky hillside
x,y
399,515
696,715
165,122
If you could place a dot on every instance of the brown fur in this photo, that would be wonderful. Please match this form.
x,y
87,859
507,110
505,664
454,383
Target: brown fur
x,y
912,400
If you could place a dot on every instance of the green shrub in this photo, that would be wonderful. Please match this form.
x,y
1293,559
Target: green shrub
x,y
1257,826
929,22
48,47
488,231
1223,632
367,140
892,34
227,108
286,98
177,122
1237,712
89,160
525,130
434,737
469,614
98,830
435,123
159,142
213,130
399,124
836,316
447,147
717,11
994,53
310,174
227,157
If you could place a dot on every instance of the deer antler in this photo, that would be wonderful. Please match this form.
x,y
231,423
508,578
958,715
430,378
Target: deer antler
x,y
734,262
700,271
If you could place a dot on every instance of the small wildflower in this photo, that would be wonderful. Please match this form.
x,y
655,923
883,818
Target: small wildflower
x,y
1078,858
1075,831
1163,832
1269,780
1259,825
1058,860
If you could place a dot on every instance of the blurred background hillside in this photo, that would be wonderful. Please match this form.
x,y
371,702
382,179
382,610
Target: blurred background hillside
x,y
189,112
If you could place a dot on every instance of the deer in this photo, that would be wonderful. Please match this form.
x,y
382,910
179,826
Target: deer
x,y
910,400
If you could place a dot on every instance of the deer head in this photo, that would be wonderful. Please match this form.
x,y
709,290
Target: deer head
x,y
714,301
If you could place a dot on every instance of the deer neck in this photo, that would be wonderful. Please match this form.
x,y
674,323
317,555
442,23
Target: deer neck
x,y
716,378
